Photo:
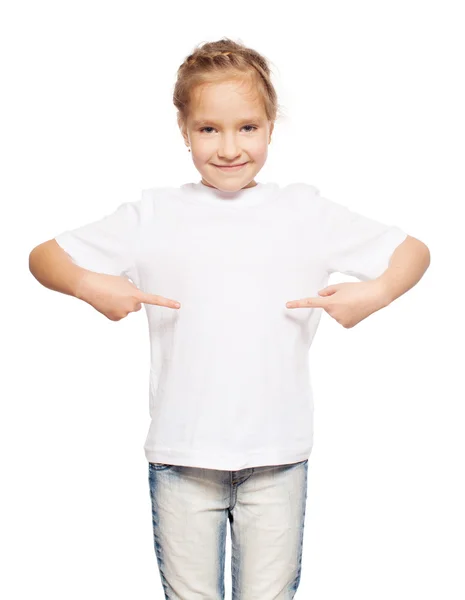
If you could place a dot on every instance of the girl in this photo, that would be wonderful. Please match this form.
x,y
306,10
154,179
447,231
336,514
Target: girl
x,y
242,267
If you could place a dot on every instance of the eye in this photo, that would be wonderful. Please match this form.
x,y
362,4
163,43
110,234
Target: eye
x,y
253,126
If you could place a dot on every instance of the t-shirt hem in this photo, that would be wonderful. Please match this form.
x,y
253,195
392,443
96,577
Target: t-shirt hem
x,y
214,460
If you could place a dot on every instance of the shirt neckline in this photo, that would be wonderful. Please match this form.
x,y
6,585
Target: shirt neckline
x,y
260,193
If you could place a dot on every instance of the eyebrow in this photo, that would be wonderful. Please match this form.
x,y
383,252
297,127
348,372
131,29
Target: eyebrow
x,y
198,122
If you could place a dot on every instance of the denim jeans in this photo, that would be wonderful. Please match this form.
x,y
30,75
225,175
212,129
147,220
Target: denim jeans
x,y
265,507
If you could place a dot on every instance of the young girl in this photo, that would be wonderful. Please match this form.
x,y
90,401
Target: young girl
x,y
242,269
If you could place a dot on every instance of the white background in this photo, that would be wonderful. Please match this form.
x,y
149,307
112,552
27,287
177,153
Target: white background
x,y
373,102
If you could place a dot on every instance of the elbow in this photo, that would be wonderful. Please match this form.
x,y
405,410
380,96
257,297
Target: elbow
x,y
421,249
427,256
33,254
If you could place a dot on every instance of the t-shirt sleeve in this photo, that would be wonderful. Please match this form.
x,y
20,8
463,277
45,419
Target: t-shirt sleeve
x,y
107,245
354,244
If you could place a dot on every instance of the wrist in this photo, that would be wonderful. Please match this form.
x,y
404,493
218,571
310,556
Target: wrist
x,y
81,285
383,291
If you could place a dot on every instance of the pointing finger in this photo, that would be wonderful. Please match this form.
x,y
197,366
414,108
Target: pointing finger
x,y
158,300
308,303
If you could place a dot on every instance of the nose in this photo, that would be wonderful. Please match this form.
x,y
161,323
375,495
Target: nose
x,y
229,148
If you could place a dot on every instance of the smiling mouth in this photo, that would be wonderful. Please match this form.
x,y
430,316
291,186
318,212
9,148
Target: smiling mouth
x,y
226,167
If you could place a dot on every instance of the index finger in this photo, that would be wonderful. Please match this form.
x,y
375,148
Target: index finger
x,y
308,303
158,300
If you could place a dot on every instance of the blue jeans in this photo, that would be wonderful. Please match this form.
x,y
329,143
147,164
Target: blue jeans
x,y
265,507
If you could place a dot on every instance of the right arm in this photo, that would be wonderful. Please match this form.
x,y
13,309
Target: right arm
x,y
54,269
112,295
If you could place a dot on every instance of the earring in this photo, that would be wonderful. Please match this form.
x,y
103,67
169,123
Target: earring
x,y
188,149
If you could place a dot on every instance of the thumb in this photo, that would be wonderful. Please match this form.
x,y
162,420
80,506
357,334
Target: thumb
x,y
328,291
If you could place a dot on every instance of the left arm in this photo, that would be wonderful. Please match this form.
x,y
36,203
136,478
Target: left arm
x,y
351,302
407,266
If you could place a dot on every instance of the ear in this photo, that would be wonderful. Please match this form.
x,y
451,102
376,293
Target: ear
x,y
271,131
183,128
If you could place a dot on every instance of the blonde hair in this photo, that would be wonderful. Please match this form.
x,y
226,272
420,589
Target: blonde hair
x,y
224,60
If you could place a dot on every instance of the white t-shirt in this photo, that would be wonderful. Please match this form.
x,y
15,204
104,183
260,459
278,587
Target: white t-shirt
x,y
229,380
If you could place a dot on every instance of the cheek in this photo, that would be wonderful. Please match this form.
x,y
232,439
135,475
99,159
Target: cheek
x,y
202,151
200,155
258,152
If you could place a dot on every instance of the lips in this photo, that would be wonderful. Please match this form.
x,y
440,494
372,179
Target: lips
x,y
230,167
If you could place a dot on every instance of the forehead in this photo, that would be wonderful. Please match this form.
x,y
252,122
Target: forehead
x,y
227,101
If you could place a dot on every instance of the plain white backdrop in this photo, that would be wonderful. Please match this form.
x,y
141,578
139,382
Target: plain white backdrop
x,y
373,99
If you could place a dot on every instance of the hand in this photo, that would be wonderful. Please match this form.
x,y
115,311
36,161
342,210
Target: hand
x,y
115,297
348,302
